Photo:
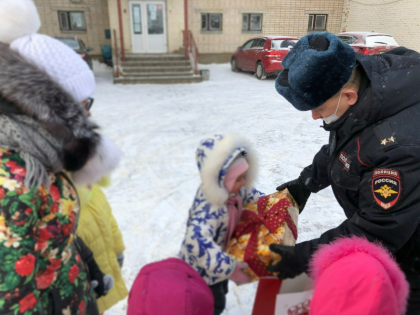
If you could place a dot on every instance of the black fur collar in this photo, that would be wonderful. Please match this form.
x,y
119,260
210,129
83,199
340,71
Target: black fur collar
x,y
34,94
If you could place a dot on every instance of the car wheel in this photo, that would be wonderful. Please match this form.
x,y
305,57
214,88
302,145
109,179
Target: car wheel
x,y
233,65
260,71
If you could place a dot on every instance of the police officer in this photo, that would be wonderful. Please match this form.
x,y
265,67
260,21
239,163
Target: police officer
x,y
371,107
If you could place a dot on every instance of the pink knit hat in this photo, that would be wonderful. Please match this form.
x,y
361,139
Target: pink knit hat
x,y
238,167
171,287
354,276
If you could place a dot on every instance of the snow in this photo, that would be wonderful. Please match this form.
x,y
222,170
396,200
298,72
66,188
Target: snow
x,y
158,127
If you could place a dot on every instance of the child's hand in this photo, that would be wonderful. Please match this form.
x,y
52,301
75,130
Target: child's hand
x,y
239,276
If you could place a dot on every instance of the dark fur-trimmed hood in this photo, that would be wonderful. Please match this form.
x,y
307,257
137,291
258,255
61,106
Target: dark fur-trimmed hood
x,y
27,90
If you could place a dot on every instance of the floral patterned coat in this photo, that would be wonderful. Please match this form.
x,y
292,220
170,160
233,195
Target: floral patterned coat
x,y
41,271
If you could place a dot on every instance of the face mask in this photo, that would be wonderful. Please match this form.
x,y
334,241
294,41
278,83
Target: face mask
x,y
330,119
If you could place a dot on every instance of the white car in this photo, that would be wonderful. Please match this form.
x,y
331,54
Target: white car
x,y
368,43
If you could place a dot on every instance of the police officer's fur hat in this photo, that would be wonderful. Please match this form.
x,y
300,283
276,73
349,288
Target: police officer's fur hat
x,y
315,70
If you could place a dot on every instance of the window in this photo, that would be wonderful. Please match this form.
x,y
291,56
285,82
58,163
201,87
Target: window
x,y
347,39
72,20
251,22
258,43
317,22
136,19
248,44
82,45
374,40
283,44
211,22
155,19
72,42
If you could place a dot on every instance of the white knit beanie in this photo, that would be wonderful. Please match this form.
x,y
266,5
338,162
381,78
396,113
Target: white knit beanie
x,y
19,22
17,19
59,61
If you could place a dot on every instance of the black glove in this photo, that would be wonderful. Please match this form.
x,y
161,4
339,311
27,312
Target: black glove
x,y
288,266
95,272
97,275
298,190
108,281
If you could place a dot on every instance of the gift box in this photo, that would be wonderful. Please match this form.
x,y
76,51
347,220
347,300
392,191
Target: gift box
x,y
269,220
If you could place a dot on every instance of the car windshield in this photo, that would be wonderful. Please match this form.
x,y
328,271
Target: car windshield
x,y
378,40
283,43
71,42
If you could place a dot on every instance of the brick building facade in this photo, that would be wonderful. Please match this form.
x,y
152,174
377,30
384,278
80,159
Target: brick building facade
x,y
219,26
87,19
287,17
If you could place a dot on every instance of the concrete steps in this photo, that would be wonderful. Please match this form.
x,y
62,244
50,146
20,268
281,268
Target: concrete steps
x,y
156,63
159,79
144,57
159,74
159,69
156,69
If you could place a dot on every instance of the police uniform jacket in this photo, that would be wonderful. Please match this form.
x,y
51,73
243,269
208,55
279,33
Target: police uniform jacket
x,y
372,162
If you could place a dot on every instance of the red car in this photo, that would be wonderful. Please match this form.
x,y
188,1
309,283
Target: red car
x,y
263,55
368,43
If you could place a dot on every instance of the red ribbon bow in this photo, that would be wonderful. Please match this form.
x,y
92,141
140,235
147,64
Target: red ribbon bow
x,y
251,222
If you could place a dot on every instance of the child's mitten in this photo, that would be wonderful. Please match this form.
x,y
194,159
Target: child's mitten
x,y
120,259
239,276
109,283
102,285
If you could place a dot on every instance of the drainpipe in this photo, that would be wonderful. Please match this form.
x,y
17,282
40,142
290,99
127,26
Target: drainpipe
x,y
186,31
121,30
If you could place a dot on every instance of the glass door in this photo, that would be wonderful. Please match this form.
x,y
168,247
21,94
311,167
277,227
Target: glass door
x,y
148,27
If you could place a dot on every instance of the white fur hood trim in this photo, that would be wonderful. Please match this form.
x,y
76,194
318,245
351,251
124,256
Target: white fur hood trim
x,y
104,161
214,155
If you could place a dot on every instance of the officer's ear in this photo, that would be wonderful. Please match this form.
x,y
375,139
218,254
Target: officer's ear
x,y
351,95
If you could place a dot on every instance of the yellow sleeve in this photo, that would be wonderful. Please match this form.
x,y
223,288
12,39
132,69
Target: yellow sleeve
x,y
119,246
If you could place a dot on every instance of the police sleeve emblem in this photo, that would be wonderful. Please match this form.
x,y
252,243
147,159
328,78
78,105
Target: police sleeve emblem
x,y
386,187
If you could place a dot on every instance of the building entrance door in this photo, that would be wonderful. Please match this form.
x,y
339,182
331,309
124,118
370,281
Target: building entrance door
x,y
148,27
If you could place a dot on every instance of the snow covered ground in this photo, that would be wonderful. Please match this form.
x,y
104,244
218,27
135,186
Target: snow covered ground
x,y
158,127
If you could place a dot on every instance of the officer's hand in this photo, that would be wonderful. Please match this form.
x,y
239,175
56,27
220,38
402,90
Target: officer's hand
x,y
298,190
287,267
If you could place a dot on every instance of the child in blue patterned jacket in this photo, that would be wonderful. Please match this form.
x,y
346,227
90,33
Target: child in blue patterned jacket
x,y
228,167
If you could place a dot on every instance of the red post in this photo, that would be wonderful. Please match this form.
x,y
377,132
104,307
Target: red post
x,y
121,30
186,31
117,72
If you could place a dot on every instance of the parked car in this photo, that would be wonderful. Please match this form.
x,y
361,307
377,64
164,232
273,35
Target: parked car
x,y
263,55
368,43
78,46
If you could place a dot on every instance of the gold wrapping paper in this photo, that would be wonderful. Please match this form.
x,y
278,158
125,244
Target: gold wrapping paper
x,y
282,235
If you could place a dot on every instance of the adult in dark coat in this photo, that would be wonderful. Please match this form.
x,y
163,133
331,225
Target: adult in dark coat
x,y
371,107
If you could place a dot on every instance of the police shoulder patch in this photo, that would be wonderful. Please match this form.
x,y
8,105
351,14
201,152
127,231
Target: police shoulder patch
x,y
386,187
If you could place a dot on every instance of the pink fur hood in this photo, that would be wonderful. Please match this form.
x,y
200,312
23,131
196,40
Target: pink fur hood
x,y
354,275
